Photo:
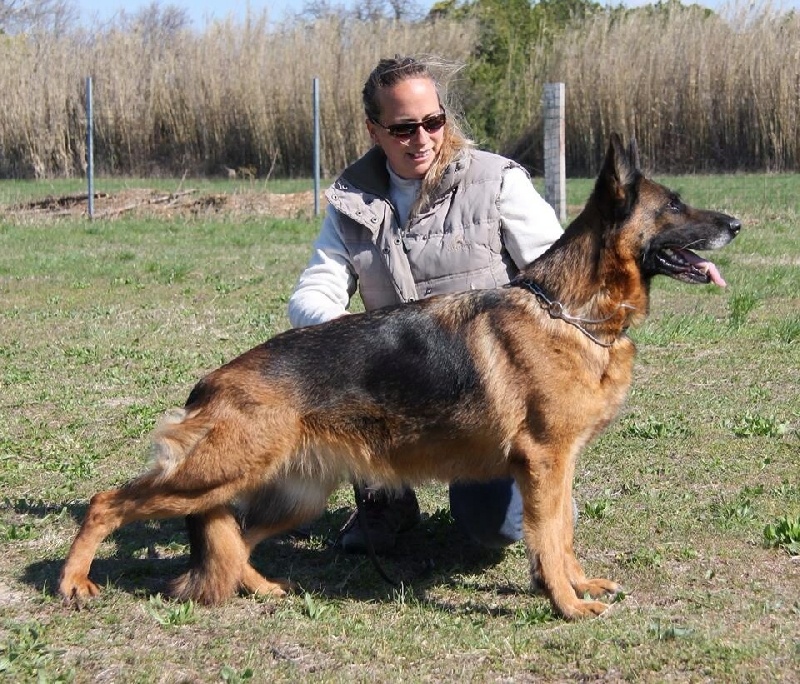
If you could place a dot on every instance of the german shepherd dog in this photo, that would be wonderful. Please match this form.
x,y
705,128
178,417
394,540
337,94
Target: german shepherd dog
x,y
477,385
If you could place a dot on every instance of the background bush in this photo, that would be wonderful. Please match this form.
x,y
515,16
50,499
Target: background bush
x,y
701,91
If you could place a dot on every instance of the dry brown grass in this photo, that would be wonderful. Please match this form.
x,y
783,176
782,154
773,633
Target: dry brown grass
x,y
700,91
238,95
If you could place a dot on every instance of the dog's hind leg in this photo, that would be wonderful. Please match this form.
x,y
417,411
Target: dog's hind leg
x,y
146,498
74,582
218,558
204,459
216,539
275,508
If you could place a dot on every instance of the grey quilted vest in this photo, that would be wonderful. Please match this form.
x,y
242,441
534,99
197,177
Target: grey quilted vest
x,y
451,245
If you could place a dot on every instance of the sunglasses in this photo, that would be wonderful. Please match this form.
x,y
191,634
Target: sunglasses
x,y
431,124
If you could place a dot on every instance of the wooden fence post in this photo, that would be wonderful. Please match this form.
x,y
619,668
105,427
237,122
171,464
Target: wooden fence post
x,y
555,174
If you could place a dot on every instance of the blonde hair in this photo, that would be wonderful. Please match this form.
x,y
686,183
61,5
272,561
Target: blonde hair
x,y
388,73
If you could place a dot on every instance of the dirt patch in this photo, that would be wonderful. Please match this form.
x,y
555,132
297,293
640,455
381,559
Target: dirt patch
x,y
190,202
148,202
10,596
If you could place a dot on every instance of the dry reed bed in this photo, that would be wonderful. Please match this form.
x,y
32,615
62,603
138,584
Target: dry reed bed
x,y
699,92
237,95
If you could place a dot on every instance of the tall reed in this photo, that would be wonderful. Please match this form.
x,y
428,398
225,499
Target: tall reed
x,y
237,95
700,91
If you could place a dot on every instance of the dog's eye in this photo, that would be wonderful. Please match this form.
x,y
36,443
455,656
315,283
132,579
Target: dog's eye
x,y
675,205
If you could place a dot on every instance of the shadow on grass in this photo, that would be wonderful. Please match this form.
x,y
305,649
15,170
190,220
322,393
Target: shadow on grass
x,y
432,554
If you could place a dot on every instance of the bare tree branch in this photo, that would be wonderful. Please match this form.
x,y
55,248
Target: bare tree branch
x,y
47,16
157,20
366,10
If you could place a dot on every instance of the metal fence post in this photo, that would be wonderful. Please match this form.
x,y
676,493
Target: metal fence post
x,y
555,175
89,148
315,92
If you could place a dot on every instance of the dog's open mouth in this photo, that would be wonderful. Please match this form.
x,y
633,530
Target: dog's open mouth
x,y
687,266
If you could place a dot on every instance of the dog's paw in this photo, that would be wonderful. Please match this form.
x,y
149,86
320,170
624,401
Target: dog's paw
x,y
597,587
75,592
583,609
277,587
255,583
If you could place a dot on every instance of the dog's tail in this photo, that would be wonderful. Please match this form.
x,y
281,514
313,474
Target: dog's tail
x,y
218,558
174,438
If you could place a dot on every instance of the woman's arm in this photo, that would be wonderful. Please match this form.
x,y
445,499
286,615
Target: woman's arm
x,y
324,288
529,224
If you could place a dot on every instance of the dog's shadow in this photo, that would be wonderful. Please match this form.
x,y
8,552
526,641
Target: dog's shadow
x,y
148,555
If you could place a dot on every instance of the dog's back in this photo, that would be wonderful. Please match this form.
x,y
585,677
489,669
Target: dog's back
x,y
394,395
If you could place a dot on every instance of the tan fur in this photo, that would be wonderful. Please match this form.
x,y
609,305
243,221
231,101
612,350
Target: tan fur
x,y
220,572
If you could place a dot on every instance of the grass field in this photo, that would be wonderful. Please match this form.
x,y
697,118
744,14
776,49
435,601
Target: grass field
x,y
691,499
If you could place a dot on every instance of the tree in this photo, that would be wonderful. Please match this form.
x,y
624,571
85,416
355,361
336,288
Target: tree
x,y
157,21
34,16
366,10
497,70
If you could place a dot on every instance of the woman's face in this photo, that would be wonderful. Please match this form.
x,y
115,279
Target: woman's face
x,y
409,101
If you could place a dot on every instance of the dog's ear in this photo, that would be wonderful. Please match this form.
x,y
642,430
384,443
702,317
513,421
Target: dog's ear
x,y
617,179
622,165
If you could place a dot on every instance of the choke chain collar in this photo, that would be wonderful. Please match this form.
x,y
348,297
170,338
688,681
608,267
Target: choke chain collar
x,y
556,310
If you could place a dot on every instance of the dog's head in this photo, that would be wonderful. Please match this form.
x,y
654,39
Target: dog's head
x,y
662,230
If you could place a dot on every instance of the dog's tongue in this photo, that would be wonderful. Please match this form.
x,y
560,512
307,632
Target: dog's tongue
x,y
706,266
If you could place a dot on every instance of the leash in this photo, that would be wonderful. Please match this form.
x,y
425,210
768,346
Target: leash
x,y
556,310
362,521
360,513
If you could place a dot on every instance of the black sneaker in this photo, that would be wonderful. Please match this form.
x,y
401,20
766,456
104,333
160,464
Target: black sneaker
x,y
385,514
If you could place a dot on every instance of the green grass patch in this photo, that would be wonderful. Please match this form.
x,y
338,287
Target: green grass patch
x,y
690,499
784,533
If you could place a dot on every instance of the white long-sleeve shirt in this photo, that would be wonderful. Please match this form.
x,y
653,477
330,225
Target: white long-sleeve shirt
x,y
528,225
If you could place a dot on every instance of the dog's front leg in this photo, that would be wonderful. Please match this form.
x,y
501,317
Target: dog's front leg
x,y
544,479
595,587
